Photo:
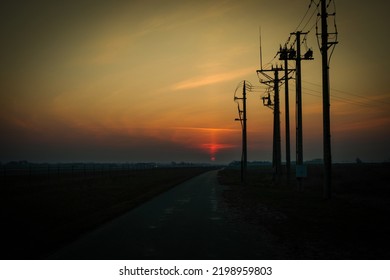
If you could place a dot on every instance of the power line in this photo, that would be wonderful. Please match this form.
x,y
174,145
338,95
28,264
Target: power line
x,y
314,25
337,98
379,103
304,16
302,20
314,12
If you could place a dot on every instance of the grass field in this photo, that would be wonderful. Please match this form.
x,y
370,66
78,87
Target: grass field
x,y
354,224
39,213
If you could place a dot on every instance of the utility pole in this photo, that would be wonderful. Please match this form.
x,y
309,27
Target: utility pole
x,y
287,113
276,148
325,45
242,120
285,54
244,140
277,139
300,167
299,130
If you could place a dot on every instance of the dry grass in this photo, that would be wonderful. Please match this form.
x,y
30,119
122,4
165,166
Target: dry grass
x,y
352,225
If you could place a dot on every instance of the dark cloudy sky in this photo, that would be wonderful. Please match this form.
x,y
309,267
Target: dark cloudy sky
x,y
154,80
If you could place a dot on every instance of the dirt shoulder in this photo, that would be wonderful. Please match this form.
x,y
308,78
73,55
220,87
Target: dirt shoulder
x,y
352,225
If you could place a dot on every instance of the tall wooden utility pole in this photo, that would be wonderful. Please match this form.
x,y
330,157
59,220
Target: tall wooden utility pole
x,y
276,147
244,140
300,167
299,130
325,45
285,55
287,115
277,139
242,120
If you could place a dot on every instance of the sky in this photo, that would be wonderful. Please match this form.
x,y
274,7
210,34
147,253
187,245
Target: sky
x,y
130,81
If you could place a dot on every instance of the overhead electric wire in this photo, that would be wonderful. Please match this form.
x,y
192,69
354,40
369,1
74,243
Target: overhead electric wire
x,y
343,99
314,12
307,11
302,20
334,34
314,25
336,98
352,94
335,28
304,23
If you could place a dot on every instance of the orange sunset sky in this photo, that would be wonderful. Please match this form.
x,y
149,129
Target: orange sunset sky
x,y
127,81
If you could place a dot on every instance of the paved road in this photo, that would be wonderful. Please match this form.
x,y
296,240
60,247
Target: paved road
x,y
190,221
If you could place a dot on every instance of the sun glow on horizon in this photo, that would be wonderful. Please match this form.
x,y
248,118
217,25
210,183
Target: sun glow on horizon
x,y
214,148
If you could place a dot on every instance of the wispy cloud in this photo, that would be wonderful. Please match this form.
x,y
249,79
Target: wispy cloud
x,y
208,129
205,80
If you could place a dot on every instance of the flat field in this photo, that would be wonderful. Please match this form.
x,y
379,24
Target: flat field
x,y
354,224
39,213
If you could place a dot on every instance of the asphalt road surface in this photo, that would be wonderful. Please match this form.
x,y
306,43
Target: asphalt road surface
x,y
190,221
